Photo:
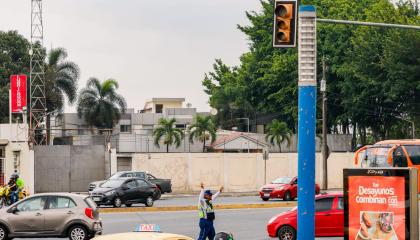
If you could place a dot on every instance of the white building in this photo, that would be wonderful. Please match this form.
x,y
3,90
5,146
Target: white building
x,y
15,154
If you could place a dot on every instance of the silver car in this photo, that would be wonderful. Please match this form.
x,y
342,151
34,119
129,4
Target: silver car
x,y
51,215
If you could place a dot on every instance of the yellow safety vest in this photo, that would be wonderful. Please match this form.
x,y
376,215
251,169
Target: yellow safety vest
x,y
202,212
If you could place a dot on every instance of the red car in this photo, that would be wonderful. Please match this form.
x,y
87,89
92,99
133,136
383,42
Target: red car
x,y
283,187
329,219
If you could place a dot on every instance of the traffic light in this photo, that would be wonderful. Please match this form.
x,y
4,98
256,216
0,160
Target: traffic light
x,y
285,23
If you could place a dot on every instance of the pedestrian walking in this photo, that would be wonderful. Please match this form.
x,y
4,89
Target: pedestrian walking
x,y
206,213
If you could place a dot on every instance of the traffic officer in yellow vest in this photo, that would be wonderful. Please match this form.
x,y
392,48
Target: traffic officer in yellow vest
x,y
206,213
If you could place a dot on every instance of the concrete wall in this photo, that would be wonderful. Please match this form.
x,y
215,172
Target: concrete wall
x,y
68,168
238,172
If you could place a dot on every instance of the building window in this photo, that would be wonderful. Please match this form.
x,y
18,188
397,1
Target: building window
x,y
125,128
181,126
159,108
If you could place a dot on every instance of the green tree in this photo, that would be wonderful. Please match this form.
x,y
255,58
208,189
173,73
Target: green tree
x,y
373,76
100,104
277,133
203,129
61,78
170,134
14,59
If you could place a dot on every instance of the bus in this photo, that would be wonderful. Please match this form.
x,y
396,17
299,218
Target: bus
x,y
390,153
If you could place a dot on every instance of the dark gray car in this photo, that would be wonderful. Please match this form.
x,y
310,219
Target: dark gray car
x,y
51,215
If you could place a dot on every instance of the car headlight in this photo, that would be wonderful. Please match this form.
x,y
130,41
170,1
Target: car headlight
x,y
112,192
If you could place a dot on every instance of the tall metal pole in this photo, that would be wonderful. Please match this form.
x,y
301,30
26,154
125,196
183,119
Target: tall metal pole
x,y
324,126
37,87
306,123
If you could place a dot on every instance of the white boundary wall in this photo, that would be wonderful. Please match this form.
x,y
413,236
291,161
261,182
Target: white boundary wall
x,y
238,172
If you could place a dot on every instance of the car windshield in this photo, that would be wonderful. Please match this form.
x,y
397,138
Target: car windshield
x,y
376,157
113,183
115,176
282,180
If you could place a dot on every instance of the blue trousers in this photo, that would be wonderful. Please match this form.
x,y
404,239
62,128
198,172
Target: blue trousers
x,y
206,230
14,196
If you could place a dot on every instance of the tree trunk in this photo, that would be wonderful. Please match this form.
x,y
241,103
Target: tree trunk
x,y
204,145
354,138
167,147
48,126
279,147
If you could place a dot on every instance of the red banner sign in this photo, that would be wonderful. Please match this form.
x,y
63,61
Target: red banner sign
x,y
18,89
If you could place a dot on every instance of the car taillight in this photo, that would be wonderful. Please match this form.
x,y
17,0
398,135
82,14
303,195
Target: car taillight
x,y
89,213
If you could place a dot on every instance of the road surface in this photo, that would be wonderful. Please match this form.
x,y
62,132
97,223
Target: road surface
x,y
245,224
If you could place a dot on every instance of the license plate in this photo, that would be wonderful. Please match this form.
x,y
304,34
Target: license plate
x,y
266,195
96,199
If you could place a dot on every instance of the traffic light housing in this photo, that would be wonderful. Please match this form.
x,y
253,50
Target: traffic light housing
x,y
285,23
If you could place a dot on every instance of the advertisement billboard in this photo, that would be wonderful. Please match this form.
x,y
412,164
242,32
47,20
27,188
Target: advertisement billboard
x,y
18,92
379,203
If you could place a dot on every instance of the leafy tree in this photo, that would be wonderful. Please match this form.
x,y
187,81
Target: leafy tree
x,y
14,59
203,129
277,133
100,104
170,134
373,78
61,78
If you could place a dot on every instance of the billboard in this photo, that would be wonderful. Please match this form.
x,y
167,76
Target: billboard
x,y
18,92
379,203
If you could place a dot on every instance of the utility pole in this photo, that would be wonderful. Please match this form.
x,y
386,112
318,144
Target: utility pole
x,y
306,122
325,153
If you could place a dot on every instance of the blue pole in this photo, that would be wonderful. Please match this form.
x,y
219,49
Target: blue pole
x,y
306,123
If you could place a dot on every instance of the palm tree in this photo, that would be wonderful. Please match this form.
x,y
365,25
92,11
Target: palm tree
x,y
277,133
100,104
168,132
203,128
61,78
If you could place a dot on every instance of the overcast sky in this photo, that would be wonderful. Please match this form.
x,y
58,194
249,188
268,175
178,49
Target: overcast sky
x,y
153,48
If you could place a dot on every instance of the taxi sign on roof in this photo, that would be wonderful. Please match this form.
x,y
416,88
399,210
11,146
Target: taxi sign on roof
x,y
147,228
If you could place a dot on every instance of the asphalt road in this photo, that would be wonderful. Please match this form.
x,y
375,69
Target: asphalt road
x,y
245,224
193,200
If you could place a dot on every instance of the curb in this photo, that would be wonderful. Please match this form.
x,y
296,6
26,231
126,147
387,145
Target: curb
x,y
193,208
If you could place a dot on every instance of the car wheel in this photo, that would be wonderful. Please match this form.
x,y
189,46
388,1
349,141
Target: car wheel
x,y
117,202
149,201
265,199
158,194
287,233
78,233
3,233
287,196
128,204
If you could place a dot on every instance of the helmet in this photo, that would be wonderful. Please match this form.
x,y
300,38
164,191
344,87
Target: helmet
x,y
14,176
223,236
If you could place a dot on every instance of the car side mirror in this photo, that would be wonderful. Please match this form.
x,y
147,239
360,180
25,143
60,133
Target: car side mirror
x,y
13,210
124,187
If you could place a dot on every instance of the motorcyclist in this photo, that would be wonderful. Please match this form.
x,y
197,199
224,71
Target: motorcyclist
x,y
19,185
14,193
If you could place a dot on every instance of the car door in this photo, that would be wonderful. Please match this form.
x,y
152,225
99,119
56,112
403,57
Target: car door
x,y
144,189
338,217
323,216
29,216
59,210
130,190
294,187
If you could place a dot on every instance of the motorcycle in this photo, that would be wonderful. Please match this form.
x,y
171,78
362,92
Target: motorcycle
x,y
5,195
